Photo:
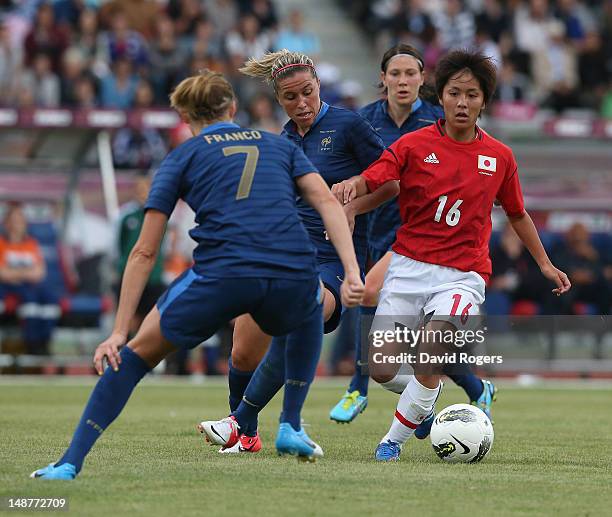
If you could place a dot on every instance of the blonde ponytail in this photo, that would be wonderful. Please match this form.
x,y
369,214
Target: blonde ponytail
x,y
278,65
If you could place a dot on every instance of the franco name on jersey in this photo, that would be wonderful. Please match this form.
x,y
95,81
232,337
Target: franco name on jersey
x,y
234,136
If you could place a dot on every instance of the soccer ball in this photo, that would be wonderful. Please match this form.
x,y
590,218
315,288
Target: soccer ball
x,y
462,434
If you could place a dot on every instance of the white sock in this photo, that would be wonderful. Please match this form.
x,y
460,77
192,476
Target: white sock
x,y
415,404
398,383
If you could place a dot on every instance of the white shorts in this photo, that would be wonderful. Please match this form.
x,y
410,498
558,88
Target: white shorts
x,y
413,290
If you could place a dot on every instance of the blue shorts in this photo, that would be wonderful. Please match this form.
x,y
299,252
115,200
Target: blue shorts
x,y
194,307
332,276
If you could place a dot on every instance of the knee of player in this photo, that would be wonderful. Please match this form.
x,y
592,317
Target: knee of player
x,y
382,377
242,360
370,296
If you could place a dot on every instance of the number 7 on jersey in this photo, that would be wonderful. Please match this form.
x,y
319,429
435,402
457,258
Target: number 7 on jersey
x,y
248,172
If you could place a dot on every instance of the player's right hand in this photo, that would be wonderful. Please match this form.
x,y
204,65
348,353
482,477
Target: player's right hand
x,y
345,191
109,349
352,289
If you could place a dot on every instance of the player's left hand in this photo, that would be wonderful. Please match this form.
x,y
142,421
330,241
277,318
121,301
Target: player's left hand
x,y
109,349
352,289
558,277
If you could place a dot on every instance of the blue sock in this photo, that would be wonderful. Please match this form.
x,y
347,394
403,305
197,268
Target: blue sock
x,y
463,376
302,353
266,381
359,380
238,382
106,401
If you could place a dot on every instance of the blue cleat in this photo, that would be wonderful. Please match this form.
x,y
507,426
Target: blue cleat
x,y
65,471
317,450
288,441
424,428
388,451
349,407
488,396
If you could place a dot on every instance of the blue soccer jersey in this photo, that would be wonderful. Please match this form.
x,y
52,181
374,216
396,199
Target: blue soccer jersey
x,y
241,185
341,144
385,220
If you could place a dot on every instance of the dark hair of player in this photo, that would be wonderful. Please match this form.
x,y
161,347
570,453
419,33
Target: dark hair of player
x,y
458,61
204,97
426,92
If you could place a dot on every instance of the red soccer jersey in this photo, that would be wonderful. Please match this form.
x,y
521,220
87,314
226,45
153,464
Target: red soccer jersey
x,y
447,190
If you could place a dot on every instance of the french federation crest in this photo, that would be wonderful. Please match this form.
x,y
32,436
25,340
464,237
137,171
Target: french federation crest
x,y
327,144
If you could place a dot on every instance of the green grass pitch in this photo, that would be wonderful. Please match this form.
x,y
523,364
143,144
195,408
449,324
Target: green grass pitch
x,y
552,456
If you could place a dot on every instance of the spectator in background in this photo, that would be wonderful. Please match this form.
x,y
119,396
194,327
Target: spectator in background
x,y
223,14
10,64
90,42
73,66
247,41
139,148
265,13
130,222
205,43
484,43
576,18
22,274
293,36
593,70
531,23
139,15
185,14
41,82
585,268
515,273
121,42
118,88
45,36
512,86
86,91
261,113
413,25
494,18
68,12
455,25
555,70
168,60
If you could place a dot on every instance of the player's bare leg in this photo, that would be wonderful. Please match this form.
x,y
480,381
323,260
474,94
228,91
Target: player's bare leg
x,y
374,280
418,398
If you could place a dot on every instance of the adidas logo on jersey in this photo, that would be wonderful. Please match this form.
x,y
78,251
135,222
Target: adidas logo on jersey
x,y
432,158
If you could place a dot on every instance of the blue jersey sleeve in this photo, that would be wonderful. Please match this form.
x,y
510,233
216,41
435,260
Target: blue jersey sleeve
x,y
301,165
166,185
366,142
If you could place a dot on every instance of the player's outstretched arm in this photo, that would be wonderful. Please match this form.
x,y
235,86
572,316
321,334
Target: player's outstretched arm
x,y
371,201
137,270
316,193
526,230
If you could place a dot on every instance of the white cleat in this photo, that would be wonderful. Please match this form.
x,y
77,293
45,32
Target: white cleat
x,y
220,432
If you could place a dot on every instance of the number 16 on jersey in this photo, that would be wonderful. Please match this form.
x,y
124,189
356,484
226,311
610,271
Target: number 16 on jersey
x,y
453,215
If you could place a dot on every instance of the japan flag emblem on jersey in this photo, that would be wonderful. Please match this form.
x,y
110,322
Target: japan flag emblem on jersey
x,y
486,164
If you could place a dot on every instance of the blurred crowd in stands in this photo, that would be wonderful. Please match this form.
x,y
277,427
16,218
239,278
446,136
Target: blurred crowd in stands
x,y
130,53
554,53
